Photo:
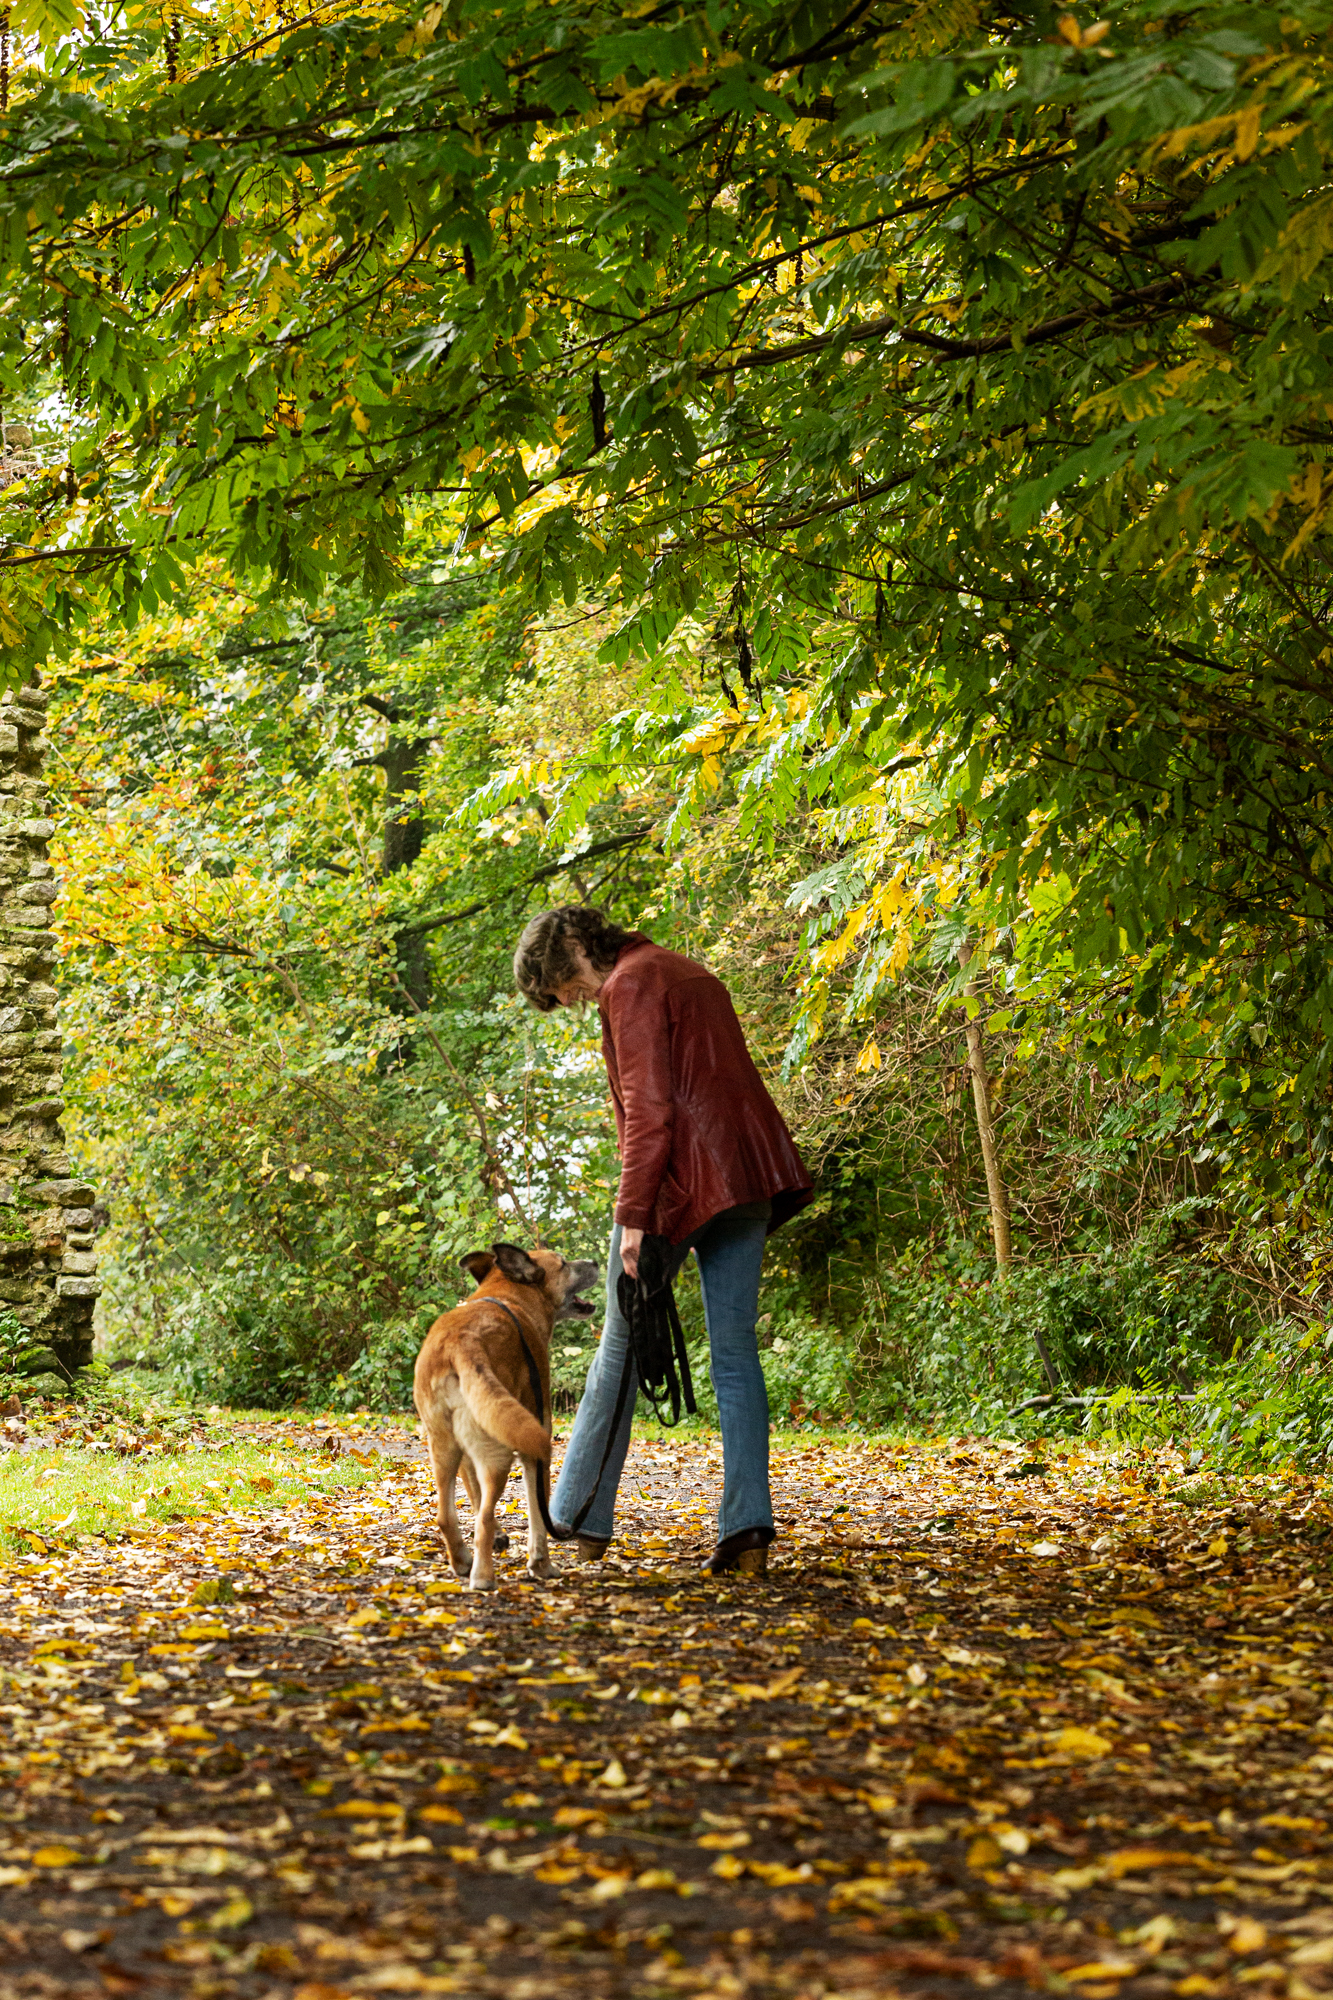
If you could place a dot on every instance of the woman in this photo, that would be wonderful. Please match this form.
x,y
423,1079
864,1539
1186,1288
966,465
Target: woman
x,y
707,1163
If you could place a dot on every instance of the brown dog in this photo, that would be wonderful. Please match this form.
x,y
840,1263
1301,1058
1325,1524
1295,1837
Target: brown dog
x,y
474,1393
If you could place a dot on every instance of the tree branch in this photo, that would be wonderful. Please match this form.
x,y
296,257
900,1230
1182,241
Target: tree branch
x,y
538,875
880,329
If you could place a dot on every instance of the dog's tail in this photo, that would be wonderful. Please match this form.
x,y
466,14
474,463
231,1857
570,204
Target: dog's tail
x,y
499,1413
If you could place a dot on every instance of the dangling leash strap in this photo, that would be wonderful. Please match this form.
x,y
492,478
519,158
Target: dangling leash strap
x,y
656,1340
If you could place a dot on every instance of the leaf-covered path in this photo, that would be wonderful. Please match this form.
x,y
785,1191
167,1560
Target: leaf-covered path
x,y
996,1719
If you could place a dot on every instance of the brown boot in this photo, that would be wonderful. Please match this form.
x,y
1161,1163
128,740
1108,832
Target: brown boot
x,y
747,1550
591,1548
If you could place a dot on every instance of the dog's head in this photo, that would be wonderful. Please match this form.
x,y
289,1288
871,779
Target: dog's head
x,y
545,1270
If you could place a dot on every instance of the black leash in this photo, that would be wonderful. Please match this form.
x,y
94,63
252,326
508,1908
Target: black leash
x,y
656,1339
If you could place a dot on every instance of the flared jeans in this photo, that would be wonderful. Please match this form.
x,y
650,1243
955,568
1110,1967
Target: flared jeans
x,y
730,1251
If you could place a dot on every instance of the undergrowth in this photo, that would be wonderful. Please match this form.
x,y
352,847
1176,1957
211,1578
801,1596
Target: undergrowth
x,y
1144,1345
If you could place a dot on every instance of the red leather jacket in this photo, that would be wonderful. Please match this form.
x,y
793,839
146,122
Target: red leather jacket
x,y
698,1131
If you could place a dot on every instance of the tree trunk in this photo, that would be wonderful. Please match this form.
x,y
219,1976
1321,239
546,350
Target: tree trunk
x,y
996,1190
404,835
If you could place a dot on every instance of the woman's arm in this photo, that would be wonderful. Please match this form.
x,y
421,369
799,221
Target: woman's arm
x,y
638,1027
631,1242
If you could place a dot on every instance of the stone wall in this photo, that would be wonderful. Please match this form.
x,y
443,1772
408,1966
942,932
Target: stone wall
x,y
47,1218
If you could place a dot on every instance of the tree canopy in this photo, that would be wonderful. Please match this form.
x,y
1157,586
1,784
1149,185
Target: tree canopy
x,y
939,394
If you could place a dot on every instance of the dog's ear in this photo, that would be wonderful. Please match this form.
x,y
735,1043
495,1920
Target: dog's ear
x,y
517,1265
479,1262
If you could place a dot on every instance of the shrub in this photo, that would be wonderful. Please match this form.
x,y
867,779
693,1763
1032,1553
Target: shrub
x,y
944,1339
380,1378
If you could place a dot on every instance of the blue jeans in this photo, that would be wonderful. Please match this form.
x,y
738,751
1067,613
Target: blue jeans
x,y
730,1252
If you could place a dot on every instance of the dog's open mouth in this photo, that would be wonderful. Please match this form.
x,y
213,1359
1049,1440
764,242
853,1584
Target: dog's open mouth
x,y
577,1308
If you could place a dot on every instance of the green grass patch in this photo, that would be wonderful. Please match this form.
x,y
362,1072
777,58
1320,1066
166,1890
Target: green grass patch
x,y
71,1492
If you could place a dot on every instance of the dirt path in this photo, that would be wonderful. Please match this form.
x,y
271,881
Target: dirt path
x,y
996,1719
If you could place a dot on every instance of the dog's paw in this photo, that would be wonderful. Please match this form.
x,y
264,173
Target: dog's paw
x,y
543,1571
481,1583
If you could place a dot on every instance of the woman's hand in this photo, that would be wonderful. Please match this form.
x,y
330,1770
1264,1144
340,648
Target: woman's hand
x,y
630,1241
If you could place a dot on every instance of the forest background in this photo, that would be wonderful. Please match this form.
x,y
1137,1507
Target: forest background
x,y
845,487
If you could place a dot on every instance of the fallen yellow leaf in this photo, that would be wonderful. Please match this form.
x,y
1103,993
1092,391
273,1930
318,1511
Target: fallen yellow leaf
x,y
778,1875
1249,1935
1318,1953
655,1878
1076,1742
233,1914
579,1815
1133,1860
770,1690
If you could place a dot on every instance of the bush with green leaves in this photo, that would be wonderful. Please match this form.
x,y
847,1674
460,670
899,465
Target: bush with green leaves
x,y
1268,1403
948,1341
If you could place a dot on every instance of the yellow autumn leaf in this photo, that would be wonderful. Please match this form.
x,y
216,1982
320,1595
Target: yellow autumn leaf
x,y
1133,1860
1247,1936
1076,1742
610,1887
656,1878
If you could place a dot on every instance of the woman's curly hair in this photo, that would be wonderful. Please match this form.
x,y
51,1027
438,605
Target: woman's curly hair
x,y
544,958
